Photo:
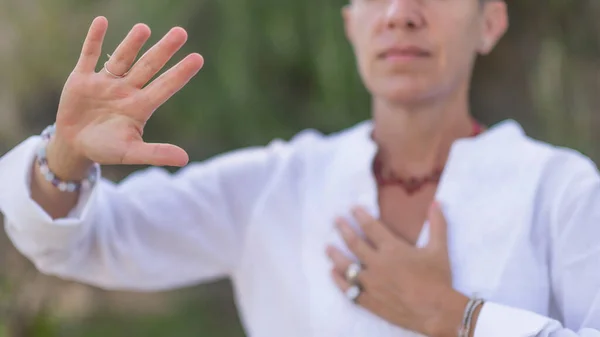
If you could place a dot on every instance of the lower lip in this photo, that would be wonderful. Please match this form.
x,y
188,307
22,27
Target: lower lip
x,y
403,57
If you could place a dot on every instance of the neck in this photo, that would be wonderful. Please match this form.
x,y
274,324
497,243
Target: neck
x,y
416,140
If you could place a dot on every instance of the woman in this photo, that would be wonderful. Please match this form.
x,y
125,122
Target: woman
x,y
417,222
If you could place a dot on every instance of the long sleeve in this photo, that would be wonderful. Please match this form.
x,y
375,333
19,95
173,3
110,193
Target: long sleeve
x,y
154,230
570,210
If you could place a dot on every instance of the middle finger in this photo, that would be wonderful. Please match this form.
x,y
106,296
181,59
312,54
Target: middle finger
x,y
341,262
157,57
357,245
124,56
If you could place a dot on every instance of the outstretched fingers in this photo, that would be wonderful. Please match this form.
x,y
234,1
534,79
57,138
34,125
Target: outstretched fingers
x,y
156,57
92,46
173,80
124,56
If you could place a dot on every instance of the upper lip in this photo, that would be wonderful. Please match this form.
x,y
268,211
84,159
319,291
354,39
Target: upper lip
x,y
405,50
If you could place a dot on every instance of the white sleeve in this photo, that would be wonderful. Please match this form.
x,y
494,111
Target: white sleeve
x,y
570,200
153,231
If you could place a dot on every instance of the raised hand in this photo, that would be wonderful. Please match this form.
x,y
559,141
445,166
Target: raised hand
x,y
101,115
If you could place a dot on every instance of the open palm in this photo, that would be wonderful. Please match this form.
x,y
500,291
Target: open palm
x,y
102,115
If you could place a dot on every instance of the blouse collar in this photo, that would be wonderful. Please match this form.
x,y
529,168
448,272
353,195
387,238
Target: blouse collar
x,y
470,159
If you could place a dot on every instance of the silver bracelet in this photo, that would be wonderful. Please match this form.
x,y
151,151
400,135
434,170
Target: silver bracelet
x,y
62,185
465,330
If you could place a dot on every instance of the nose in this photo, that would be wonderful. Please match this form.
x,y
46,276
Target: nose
x,y
404,14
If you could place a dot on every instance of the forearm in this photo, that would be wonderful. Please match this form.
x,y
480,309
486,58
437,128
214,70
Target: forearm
x,y
174,220
68,167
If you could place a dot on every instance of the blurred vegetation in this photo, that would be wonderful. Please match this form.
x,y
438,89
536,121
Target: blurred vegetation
x,y
272,69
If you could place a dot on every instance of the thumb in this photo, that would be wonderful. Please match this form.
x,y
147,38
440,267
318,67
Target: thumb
x,y
141,153
438,238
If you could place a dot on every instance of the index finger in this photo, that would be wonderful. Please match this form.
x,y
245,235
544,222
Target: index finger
x,y
374,230
92,46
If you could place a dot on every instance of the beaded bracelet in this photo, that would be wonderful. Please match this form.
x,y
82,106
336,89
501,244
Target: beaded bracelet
x,y
63,186
465,330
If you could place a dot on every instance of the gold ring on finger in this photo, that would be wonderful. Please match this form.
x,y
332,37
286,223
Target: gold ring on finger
x,y
110,72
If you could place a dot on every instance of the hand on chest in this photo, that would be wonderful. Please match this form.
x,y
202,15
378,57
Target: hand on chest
x,y
478,241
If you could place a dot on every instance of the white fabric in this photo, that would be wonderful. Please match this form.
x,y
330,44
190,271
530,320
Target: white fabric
x,y
524,231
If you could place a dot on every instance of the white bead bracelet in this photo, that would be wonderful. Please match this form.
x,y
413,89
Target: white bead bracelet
x,y
63,186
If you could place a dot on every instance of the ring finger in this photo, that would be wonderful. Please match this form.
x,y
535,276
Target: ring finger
x,y
124,56
342,264
353,292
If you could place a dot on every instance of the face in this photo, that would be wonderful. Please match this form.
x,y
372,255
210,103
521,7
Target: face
x,y
414,50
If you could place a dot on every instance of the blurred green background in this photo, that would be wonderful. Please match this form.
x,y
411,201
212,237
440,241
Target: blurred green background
x,y
272,68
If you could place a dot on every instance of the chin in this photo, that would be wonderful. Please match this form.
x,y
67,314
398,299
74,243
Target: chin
x,y
402,92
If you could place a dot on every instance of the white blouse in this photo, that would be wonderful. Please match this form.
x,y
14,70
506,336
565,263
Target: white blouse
x,y
523,217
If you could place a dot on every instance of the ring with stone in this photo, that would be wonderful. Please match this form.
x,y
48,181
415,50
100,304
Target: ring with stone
x,y
352,273
353,292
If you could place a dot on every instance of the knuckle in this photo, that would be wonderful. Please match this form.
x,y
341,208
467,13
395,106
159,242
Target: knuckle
x,y
149,67
117,60
375,268
372,227
117,64
365,278
88,52
353,241
367,225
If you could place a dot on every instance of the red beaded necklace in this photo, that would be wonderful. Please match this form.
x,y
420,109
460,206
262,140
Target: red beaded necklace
x,y
412,184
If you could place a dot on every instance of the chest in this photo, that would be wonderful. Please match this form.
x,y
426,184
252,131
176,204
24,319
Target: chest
x,y
489,230
489,252
404,214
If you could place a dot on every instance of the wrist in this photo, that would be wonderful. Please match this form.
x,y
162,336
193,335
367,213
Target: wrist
x,y
65,162
447,320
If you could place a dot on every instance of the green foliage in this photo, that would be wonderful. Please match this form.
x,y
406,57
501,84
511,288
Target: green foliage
x,y
273,68
192,320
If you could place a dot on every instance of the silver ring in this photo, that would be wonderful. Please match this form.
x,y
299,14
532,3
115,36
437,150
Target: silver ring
x,y
352,273
110,72
353,292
